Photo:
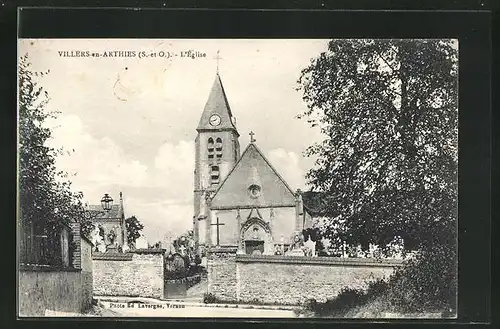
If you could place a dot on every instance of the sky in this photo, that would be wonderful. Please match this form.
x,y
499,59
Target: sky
x,y
128,124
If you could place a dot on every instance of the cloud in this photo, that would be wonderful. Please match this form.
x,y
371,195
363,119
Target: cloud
x,y
175,166
288,166
93,161
159,195
160,218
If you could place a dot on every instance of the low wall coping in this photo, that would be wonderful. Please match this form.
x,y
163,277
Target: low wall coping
x,y
147,251
46,268
112,256
318,260
222,250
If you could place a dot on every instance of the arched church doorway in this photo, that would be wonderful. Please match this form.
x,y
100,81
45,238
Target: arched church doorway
x,y
256,237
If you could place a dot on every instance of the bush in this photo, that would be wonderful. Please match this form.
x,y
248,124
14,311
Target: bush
x,y
195,269
345,300
377,288
209,298
193,280
426,283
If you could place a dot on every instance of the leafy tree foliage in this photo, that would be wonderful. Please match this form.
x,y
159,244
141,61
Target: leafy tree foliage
x,y
133,227
45,194
388,164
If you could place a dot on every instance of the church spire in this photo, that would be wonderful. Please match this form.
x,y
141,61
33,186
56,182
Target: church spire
x,y
217,113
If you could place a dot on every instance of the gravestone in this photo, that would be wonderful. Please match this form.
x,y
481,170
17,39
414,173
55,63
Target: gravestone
x,y
175,276
296,247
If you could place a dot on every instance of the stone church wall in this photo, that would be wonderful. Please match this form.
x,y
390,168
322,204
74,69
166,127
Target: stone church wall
x,y
283,223
138,273
292,280
228,231
280,224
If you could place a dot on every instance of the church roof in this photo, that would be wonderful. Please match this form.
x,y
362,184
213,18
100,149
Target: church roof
x,y
114,213
253,169
217,104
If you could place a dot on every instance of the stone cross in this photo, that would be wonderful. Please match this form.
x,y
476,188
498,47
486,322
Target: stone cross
x,y
217,224
217,58
251,136
182,249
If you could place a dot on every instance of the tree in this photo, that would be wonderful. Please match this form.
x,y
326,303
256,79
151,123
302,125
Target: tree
x,y
46,200
133,227
389,111
388,164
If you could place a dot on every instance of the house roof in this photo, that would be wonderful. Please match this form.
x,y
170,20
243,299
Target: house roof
x,y
217,104
253,169
115,211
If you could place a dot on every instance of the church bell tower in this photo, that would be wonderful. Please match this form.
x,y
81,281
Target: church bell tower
x,y
217,150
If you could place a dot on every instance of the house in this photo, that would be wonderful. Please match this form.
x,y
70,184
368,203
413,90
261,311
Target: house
x,y
110,233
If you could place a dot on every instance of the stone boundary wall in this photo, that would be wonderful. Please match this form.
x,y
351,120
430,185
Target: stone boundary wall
x,y
137,273
369,262
289,280
43,288
222,272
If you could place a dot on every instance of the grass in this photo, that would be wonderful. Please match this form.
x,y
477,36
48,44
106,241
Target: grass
x,y
209,298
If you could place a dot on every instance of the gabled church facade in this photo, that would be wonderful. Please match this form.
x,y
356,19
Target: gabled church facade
x,y
240,201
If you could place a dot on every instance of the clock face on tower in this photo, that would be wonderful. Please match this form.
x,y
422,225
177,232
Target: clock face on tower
x,y
214,120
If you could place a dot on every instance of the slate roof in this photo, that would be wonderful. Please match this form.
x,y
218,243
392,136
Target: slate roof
x,y
114,212
253,168
217,104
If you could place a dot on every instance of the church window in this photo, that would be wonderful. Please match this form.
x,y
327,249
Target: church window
x,y
255,232
218,144
254,191
235,150
214,174
218,147
210,148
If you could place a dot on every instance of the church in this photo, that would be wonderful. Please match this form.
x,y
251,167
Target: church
x,y
240,200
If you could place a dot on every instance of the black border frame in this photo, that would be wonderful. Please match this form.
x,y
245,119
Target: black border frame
x,y
472,28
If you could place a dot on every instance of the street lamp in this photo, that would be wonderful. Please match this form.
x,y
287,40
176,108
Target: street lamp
x,y
106,204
